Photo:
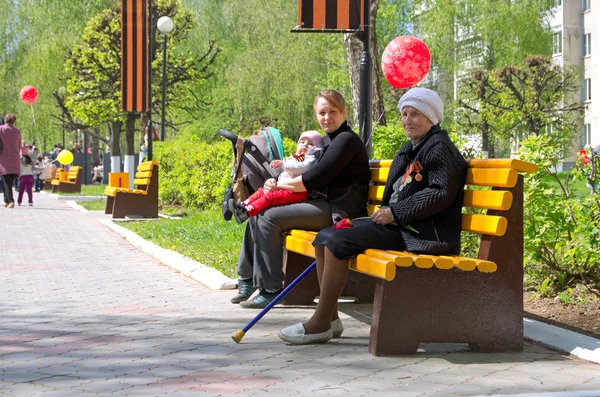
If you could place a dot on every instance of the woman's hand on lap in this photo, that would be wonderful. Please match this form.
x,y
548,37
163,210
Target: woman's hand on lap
x,y
383,216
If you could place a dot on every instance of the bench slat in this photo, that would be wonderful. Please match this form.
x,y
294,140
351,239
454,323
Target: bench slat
x,y
141,181
300,246
420,261
380,163
376,192
490,199
499,177
484,224
146,166
143,174
373,266
304,234
379,174
519,165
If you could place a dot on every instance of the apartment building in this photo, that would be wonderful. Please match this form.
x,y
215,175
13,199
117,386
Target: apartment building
x,y
575,25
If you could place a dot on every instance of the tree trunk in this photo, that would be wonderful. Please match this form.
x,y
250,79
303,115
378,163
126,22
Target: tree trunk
x,y
115,138
95,152
354,48
130,133
378,107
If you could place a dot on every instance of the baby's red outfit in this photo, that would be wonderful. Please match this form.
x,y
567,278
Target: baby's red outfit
x,y
261,200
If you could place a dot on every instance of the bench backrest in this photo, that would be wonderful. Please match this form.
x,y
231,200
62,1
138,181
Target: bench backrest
x,y
143,176
73,173
481,175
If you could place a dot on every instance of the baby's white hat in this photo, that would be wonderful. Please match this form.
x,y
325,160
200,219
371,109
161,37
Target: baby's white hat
x,y
314,137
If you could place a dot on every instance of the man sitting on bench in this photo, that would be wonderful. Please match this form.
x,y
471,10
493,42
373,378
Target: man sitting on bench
x,y
420,212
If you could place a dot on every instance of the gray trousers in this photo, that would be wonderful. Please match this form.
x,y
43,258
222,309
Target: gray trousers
x,y
261,256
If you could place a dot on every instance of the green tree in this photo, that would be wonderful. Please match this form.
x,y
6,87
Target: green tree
x,y
94,69
266,73
35,37
535,98
464,35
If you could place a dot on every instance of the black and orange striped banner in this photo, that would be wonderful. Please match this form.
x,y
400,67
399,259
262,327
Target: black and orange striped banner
x,y
342,15
134,55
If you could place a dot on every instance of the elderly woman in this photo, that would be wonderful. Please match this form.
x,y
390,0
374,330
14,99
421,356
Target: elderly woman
x,y
340,179
420,212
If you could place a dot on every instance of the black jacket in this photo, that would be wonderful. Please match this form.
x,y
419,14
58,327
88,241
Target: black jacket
x,y
432,206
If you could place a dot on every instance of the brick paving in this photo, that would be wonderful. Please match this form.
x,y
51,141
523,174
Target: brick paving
x,y
83,313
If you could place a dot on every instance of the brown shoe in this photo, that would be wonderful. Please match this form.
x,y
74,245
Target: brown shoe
x,y
10,205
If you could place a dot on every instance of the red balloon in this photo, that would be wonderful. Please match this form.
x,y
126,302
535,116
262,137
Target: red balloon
x,y
405,61
29,94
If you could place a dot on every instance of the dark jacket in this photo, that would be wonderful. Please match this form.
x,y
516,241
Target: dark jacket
x,y
432,206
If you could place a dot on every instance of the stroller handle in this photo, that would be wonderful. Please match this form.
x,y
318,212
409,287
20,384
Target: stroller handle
x,y
228,135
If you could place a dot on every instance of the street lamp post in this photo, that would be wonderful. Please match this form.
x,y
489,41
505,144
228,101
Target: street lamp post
x,y
165,25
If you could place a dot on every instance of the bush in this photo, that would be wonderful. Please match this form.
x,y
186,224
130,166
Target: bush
x,y
193,173
561,229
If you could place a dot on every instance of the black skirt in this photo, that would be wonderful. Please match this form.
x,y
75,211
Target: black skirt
x,y
348,243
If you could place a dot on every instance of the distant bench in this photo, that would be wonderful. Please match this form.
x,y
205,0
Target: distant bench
x,y
427,298
68,181
121,201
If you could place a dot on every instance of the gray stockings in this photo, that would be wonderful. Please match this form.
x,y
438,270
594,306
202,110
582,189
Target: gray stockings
x,y
261,256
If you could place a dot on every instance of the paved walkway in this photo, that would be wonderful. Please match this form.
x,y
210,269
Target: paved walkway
x,y
83,313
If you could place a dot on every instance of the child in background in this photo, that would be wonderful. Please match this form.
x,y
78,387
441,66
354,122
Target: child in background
x,y
26,178
308,152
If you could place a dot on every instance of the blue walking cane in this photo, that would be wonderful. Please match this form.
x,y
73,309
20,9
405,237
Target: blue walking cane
x,y
238,335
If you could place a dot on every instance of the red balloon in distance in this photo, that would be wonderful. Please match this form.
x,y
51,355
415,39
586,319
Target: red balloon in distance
x,y
29,94
405,61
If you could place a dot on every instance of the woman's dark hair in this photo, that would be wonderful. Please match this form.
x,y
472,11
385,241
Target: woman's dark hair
x,y
28,160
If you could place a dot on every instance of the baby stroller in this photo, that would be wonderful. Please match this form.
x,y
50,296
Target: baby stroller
x,y
251,159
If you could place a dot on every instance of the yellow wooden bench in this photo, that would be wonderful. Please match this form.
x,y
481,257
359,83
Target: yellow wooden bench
x,y
68,182
142,200
427,298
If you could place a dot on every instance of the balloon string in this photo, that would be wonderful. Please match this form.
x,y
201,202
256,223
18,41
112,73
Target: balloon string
x,y
32,114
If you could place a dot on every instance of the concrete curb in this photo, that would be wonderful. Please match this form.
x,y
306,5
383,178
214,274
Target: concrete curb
x,y
205,275
77,198
582,346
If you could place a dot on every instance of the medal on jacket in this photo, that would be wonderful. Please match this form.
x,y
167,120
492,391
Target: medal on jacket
x,y
414,167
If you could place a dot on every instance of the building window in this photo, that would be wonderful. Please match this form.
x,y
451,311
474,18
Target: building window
x,y
587,44
557,43
585,5
587,90
586,138
557,3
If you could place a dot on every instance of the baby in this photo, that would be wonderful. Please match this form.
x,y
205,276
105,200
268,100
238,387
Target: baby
x,y
308,152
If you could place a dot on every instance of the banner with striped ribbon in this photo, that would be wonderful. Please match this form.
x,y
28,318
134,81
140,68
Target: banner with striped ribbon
x,y
134,55
330,15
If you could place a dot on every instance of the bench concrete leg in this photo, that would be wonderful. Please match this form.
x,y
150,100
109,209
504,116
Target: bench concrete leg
x,y
451,306
306,291
109,204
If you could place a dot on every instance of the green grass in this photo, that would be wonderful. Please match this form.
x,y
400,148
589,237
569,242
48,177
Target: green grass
x,y
88,190
201,235
93,205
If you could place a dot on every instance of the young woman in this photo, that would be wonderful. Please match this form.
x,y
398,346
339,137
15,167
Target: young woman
x,y
342,172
